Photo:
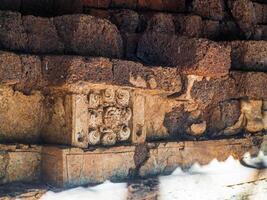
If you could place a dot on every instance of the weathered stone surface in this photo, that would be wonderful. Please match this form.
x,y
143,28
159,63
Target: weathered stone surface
x,y
126,20
136,74
211,9
253,113
168,5
251,84
72,167
21,116
88,35
244,14
78,34
192,56
42,35
225,119
21,71
10,68
19,163
68,167
161,23
249,55
165,157
12,33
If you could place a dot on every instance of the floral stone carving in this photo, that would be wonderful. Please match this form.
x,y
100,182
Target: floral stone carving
x,y
109,116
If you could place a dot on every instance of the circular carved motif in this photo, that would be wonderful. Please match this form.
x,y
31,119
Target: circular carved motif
x,y
94,137
95,118
109,137
112,116
94,100
109,95
122,97
124,133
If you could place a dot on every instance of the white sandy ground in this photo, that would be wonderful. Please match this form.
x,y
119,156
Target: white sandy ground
x,y
215,181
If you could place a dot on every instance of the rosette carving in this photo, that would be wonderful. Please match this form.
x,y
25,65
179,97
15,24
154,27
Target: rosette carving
x,y
94,137
124,133
112,116
109,95
94,100
109,137
122,97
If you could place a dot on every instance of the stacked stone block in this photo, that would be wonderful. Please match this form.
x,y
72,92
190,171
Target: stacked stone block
x,y
141,85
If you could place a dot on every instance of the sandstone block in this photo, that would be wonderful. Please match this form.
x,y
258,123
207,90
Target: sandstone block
x,y
253,113
19,163
21,115
192,56
69,167
166,157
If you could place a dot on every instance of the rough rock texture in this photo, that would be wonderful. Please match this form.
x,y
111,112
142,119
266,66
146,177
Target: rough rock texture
x,y
249,55
244,14
19,163
196,56
65,167
21,116
211,9
79,34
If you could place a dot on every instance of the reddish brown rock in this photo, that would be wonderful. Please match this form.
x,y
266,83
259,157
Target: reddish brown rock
x,y
244,15
260,13
126,20
249,55
10,68
12,33
42,35
87,35
208,92
167,5
211,29
162,23
137,75
78,34
192,56
223,116
210,9
251,84
192,26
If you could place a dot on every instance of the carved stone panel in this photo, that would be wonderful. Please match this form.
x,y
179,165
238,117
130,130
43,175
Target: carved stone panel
x,y
109,116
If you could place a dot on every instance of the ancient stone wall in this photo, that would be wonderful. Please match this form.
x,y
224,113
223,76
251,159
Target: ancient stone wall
x,y
119,81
